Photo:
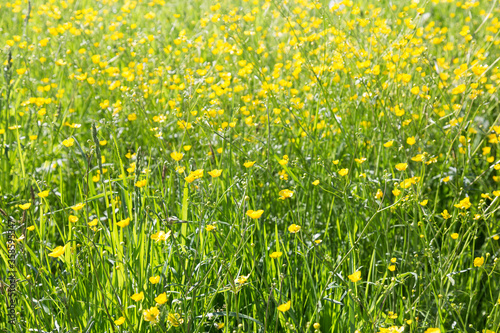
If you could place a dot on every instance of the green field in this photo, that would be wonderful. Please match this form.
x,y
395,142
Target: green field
x,y
250,166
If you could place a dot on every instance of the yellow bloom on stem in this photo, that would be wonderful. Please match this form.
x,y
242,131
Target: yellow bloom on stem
x,y
119,321
151,315
411,141
138,296
68,142
193,175
215,173
401,166
433,330
316,182
275,255
343,172
478,261
424,202
25,206
123,223
293,228
43,194
242,279
285,194
78,206
175,319
445,214
285,307
355,277
73,218
210,227
58,251
141,183
162,298
255,214
454,235
464,204
388,144
176,156
160,236
248,164
154,279
379,194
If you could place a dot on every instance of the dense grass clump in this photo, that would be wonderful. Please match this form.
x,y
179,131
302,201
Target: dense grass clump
x,y
250,166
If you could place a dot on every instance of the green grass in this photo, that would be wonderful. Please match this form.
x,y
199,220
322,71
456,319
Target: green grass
x,y
96,96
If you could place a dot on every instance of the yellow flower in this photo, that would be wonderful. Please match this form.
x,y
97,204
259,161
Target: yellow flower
x,y
138,297
193,175
455,91
58,251
255,214
141,183
445,214
396,192
25,206
210,227
433,330
388,144
151,314
175,319
316,182
392,329
242,279
31,228
285,194
355,277
73,218
360,160
392,268
464,204
219,325
123,223
418,158
424,202
43,194
275,255
454,235
335,162
162,298
446,179
401,166
285,307
411,141
187,148
68,142
215,173
154,279
343,172
293,228
478,261
176,156
78,206
379,194
316,326
248,164
119,321
160,236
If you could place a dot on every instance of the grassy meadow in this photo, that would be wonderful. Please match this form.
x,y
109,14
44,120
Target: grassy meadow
x,y
250,166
